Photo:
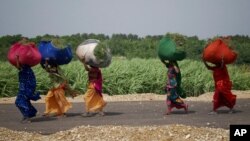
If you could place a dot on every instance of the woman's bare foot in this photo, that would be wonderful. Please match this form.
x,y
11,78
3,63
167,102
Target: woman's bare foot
x,y
101,113
87,114
213,113
26,120
61,115
186,108
231,111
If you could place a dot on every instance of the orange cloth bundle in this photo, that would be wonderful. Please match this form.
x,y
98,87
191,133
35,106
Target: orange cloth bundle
x,y
217,51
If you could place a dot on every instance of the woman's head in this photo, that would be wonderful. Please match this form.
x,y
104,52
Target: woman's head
x,y
93,66
170,63
51,68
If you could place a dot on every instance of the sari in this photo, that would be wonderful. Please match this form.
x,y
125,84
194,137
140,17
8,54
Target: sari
x,y
55,100
27,86
173,98
222,95
93,97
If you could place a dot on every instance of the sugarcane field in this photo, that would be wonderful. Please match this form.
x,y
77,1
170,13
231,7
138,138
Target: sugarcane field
x,y
124,70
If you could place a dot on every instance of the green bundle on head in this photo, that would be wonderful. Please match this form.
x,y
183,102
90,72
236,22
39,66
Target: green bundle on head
x,y
101,51
24,41
167,50
58,43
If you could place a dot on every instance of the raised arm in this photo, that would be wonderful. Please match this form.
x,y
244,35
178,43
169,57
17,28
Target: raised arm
x,y
205,63
176,67
87,68
207,66
46,65
222,62
165,63
18,66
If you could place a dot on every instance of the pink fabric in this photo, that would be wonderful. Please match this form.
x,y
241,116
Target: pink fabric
x,y
28,54
98,86
96,80
172,105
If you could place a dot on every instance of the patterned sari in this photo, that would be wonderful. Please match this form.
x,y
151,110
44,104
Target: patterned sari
x,y
173,99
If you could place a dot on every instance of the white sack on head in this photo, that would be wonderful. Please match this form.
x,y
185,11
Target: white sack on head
x,y
87,49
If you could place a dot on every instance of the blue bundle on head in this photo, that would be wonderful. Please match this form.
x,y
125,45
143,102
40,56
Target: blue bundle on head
x,y
53,54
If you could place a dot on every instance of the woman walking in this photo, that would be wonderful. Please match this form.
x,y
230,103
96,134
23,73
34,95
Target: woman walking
x,y
93,97
222,95
27,87
55,100
173,97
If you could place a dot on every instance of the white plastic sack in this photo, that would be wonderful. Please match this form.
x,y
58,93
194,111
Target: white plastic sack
x,y
86,49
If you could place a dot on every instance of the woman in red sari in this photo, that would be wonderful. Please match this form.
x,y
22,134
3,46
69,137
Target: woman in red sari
x,y
222,95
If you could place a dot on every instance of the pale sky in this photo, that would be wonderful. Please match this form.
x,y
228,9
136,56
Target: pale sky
x,y
204,18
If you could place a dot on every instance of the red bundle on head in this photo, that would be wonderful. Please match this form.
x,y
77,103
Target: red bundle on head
x,y
217,51
28,54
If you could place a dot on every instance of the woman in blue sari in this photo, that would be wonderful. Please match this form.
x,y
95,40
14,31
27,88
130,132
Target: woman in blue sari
x,y
27,87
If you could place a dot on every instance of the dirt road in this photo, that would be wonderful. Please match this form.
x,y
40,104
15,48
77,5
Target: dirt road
x,y
134,113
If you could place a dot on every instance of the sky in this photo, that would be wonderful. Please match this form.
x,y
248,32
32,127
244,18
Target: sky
x,y
202,18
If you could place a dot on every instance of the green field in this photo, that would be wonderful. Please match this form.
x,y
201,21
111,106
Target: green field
x,y
125,76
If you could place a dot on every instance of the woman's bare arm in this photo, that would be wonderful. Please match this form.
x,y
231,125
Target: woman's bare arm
x,y
87,68
18,62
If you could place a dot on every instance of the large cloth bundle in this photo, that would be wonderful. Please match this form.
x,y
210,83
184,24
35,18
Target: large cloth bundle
x,y
28,54
167,50
94,53
217,51
55,55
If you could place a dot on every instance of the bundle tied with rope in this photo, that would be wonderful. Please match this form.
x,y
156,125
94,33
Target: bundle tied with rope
x,y
27,53
218,51
94,53
56,51
167,51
